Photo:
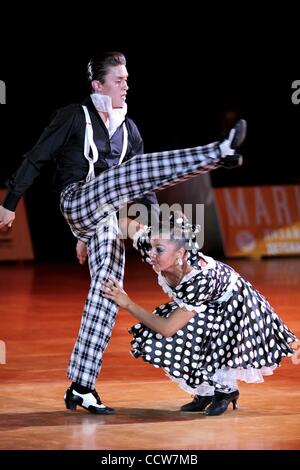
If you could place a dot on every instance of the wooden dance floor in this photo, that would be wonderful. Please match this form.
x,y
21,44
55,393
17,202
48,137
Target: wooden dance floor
x,y
40,313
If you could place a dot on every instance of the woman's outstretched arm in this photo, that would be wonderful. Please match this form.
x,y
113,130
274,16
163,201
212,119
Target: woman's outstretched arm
x,y
165,326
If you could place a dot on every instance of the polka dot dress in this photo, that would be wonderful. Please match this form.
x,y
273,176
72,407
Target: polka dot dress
x,y
235,332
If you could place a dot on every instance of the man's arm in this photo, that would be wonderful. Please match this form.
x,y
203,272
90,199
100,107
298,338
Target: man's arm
x,y
129,227
50,142
6,218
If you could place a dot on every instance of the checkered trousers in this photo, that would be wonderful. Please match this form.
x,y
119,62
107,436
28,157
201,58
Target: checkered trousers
x,y
85,204
89,208
106,256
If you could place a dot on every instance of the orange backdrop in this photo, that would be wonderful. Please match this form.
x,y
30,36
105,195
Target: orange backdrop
x,y
259,220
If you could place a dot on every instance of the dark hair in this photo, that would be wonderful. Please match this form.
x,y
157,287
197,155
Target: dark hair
x,y
99,64
178,230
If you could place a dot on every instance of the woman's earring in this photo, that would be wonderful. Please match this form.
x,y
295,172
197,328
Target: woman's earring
x,y
179,261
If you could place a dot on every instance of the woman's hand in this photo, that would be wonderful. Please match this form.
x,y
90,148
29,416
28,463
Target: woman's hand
x,y
81,251
114,291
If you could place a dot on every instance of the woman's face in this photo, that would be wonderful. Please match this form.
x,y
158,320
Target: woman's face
x,y
164,255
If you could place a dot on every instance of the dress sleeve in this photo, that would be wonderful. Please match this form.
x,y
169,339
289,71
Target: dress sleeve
x,y
141,242
195,293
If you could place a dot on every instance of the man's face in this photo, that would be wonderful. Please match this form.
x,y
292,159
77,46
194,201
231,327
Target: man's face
x,y
115,85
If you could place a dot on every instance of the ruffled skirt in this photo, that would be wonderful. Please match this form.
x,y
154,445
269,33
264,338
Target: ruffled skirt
x,y
242,339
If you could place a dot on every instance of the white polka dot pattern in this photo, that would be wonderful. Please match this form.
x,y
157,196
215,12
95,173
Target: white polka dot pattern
x,y
242,332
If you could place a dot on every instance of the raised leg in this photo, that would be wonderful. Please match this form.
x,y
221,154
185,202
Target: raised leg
x,y
85,204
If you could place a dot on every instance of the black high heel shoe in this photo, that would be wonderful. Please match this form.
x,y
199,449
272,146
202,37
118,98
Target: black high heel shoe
x,y
199,403
220,403
89,401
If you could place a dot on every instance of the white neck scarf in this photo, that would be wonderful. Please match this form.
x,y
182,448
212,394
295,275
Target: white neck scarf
x,y
116,116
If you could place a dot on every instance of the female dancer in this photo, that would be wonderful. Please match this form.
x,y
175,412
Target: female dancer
x,y
217,329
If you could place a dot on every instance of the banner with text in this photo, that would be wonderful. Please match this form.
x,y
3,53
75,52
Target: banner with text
x,y
259,220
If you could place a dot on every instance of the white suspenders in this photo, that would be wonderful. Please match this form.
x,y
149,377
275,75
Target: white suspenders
x,y
90,144
125,143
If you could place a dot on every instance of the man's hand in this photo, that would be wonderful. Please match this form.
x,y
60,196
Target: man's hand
x,y
81,251
114,291
6,218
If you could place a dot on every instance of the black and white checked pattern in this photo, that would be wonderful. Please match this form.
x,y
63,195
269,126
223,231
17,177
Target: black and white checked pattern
x,y
106,256
89,208
85,204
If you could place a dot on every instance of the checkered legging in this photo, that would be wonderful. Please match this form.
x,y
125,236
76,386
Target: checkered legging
x,y
90,208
